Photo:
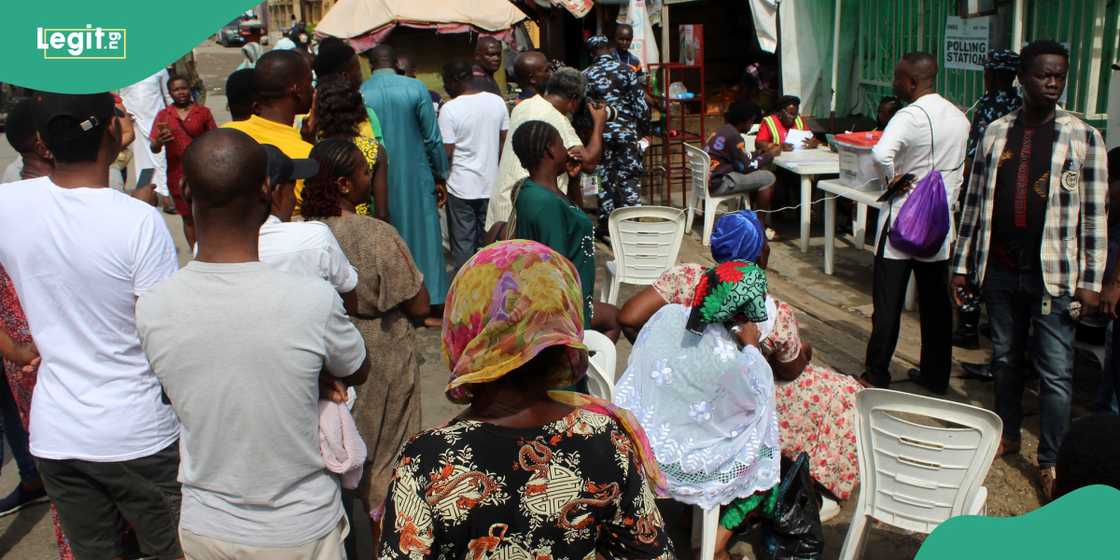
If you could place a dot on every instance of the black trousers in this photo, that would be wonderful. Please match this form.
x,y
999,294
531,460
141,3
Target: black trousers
x,y
889,295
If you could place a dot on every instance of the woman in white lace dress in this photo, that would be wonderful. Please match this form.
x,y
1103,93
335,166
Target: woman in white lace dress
x,y
704,393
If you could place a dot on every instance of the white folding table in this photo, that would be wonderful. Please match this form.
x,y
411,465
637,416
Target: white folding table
x,y
863,200
808,165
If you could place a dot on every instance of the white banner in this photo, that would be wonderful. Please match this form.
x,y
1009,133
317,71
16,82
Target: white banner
x,y
644,46
966,42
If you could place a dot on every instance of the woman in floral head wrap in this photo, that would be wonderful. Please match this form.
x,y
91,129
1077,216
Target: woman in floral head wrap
x,y
526,471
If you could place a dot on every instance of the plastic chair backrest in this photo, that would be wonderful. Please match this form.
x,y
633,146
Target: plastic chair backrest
x,y
600,375
915,475
699,168
645,241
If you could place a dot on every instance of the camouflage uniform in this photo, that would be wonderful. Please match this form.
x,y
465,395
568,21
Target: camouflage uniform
x,y
620,166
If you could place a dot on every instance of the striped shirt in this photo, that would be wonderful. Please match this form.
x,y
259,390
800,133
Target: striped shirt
x,y
1075,230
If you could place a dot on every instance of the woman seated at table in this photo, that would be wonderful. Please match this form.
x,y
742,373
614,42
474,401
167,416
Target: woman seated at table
x,y
704,392
525,471
816,406
776,127
544,214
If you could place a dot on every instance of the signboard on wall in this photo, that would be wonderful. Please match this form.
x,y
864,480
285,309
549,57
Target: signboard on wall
x,y
967,42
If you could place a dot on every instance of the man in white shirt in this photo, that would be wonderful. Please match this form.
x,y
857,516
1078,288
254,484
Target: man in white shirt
x,y
307,248
473,125
79,254
144,100
929,134
243,351
563,94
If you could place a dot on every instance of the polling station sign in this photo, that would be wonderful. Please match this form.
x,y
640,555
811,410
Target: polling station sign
x,y
966,42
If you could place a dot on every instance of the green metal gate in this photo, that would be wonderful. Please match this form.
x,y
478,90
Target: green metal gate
x,y
889,29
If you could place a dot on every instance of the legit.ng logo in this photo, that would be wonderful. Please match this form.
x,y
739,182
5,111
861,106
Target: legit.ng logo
x,y
88,43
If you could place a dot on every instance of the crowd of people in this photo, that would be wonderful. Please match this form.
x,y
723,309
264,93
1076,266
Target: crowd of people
x,y
263,401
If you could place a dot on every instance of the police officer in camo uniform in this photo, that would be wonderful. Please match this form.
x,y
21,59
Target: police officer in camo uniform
x,y
616,85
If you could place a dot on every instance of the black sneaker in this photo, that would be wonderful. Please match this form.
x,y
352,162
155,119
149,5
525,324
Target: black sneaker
x,y
916,376
20,498
983,372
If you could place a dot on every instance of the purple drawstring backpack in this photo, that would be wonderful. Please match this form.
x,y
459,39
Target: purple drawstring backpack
x,y
922,224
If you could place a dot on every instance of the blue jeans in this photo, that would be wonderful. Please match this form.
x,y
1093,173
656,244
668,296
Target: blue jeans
x,y
12,427
1017,303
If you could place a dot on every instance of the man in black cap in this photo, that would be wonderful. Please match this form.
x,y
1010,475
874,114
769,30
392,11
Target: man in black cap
x,y
306,248
79,253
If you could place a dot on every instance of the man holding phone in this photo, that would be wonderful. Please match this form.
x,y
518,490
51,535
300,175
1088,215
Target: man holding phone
x,y
1033,238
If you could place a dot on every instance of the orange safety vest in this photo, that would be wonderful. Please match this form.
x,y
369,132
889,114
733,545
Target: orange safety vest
x,y
772,124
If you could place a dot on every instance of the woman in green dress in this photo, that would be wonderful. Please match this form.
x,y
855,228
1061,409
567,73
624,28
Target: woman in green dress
x,y
544,214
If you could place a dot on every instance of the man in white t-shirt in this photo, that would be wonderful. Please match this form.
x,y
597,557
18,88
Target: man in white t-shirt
x,y
243,351
79,254
928,134
563,94
307,248
473,125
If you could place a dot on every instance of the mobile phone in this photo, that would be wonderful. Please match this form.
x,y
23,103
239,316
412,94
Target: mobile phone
x,y
145,177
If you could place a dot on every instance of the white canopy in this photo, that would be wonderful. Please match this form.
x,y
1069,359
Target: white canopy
x,y
353,18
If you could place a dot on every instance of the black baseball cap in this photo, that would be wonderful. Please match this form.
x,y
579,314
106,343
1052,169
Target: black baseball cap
x,y
62,117
283,169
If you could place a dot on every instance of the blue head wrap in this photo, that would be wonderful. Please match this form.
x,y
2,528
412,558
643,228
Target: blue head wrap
x,y
738,236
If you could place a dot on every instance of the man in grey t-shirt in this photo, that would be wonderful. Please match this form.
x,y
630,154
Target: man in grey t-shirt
x,y
242,351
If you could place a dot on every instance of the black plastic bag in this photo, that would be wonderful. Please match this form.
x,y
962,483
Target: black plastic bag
x,y
794,529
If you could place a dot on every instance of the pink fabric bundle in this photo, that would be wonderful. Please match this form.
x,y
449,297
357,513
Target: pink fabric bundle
x,y
342,447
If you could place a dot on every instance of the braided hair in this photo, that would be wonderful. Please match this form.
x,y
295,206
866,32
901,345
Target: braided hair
x,y
337,158
530,142
339,109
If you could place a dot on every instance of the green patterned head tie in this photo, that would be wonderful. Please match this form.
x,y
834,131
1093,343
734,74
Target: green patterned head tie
x,y
730,290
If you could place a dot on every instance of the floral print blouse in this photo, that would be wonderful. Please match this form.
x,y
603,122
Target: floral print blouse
x,y
567,490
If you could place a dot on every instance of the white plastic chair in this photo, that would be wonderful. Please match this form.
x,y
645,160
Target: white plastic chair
x,y
600,374
700,169
645,241
915,476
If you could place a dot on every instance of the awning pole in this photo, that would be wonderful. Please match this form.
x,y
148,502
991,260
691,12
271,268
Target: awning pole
x,y
1017,26
665,33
